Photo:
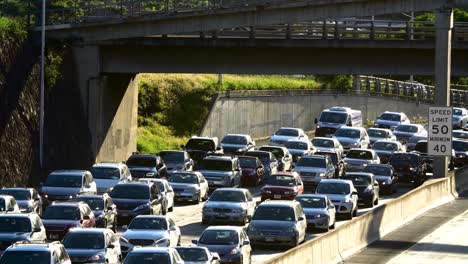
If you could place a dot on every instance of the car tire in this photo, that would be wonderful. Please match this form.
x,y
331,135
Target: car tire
x,y
205,222
376,202
355,211
349,215
164,210
170,209
333,226
178,241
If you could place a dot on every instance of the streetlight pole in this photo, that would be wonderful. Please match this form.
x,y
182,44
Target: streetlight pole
x,y
41,111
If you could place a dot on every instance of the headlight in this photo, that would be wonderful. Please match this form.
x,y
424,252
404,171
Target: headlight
x,y
322,174
164,242
46,196
241,150
411,168
234,251
364,165
150,174
384,182
347,200
142,207
96,257
266,191
318,216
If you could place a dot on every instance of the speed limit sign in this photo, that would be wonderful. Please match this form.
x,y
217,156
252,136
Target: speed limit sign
x,y
439,142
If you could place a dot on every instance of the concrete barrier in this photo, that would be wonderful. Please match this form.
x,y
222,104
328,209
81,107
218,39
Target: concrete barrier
x,y
354,235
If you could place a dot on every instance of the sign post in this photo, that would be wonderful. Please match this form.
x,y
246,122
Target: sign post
x,y
439,142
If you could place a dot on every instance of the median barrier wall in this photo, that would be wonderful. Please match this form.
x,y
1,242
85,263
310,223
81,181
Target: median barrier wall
x,y
346,240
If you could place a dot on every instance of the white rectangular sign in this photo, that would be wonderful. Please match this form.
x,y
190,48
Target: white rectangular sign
x,y
439,141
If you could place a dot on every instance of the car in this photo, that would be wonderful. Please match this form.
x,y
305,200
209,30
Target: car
x,y
150,230
92,245
189,186
319,211
197,255
328,144
20,227
103,209
412,141
146,166
63,185
28,199
384,175
337,160
342,194
299,148
35,252
461,152
253,172
336,117
376,134
167,193
160,255
221,171
465,128
237,144
352,137
366,186
59,217
390,120
282,135
282,155
461,134
460,117
385,149
108,174
405,132
229,205
282,186
136,198
315,168
357,159
409,168
201,147
278,223
421,149
269,161
230,242
8,204
176,160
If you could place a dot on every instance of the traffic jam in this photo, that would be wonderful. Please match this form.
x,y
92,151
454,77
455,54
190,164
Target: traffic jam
x,y
241,198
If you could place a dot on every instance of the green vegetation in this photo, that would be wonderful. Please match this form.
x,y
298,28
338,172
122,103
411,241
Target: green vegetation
x,y
11,28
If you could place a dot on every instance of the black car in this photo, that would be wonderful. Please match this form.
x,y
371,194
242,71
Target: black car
x,y
409,168
337,160
461,152
136,198
200,147
285,159
270,163
421,149
146,166
367,187
384,174
103,208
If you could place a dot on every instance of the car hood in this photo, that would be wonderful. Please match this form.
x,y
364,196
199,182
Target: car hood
x,y
308,169
271,225
215,173
128,204
336,197
103,183
282,138
324,149
145,234
84,253
381,178
387,122
347,139
60,190
220,249
16,236
315,211
225,205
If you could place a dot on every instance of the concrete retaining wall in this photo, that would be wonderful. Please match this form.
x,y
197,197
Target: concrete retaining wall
x,y
260,113
351,237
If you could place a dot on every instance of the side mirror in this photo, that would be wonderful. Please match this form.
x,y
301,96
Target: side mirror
x,y
110,246
87,186
301,218
331,207
110,208
195,242
251,199
316,121
246,243
215,256
37,229
355,193
86,217
11,209
173,228
218,148
376,184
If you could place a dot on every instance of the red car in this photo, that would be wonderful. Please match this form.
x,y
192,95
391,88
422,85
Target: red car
x,y
252,171
283,186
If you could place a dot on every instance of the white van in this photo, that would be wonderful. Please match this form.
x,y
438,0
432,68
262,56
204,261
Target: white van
x,y
335,117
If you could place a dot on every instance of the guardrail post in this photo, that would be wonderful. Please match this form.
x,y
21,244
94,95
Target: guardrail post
x,y
252,33
337,30
368,84
378,86
357,82
288,31
372,34
324,30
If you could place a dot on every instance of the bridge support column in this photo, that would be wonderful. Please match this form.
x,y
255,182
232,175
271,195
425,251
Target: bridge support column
x,y
443,51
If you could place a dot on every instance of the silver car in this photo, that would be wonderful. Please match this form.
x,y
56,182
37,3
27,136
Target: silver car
x,y
280,137
107,175
19,227
342,194
176,160
237,144
460,117
352,137
328,144
376,134
357,159
386,148
28,199
391,120
299,148
189,186
229,205
319,210
404,132
313,169
198,255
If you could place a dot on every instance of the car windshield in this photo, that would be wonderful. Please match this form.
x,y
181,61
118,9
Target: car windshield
x,y
37,257
65,181
183,178
147,258
200,144
263,156
421,147
359,154
378,170
288,132
348,133
95,204
377,133
311,162
460,134
331,117
20,195
457,112
333,188
105,173
218,165
227,196
274,213
248,162
15,225
62,213
333,156
148,223
172,156
277,152
312,202
130,192
296,145
282,180
234,140
323,143
75,240
193,254
390,117
407,128
141,162
460,145
219,237
403,159
358,180
385,146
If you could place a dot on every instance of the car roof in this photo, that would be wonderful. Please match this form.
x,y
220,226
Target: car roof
x,y
91,195
66,203
226,158
152,216
335,181
283,203
298,140
69,172
396,113
108,165
387,141
205,138
312,195
30,246
232,190
89,230
231,228
290,128
315,156
172,151
6,197
286,173
378,128
325,138
22,215
193,247
18,188
135,183
151,250
361,149
380,165
351,128
358,173
238,135
147,155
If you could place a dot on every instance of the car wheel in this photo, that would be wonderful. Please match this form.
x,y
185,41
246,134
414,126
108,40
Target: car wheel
x,y
333,226
170,209
197,201
232,183
349,216
178,242
163,209
376,202
355,211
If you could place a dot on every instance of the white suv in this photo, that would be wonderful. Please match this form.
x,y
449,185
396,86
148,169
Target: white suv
x,y
25,252
342,194
108,174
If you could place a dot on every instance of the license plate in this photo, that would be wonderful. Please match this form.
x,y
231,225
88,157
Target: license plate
x,y
54,236
277,196
269,239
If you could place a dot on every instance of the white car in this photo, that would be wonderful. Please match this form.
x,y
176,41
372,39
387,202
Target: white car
x,y
189,186
44,253
352,137
166,191
328,144
357,159
280,137
319,210
8,204
148,254
107,175
376,134
386,148
300,148
150,230
342,194
460,117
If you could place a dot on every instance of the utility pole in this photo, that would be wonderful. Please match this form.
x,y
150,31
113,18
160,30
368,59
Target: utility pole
x,y
41,111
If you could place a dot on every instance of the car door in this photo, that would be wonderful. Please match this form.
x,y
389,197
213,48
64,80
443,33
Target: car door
x,y
37,225
376,187
244,244
251,204
115,250
156,199
174,232
300,184
301,223
331,210
203,185
169,194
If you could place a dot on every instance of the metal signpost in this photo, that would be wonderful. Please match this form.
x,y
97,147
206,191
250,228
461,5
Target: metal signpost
x,y
439,141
